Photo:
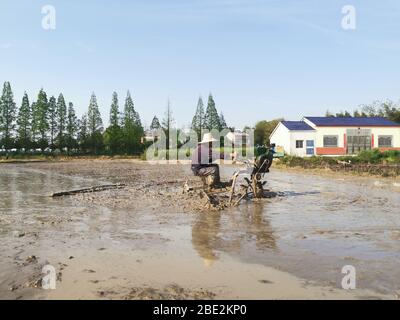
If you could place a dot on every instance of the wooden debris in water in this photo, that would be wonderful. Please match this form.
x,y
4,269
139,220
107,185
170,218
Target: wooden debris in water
x,y
90,189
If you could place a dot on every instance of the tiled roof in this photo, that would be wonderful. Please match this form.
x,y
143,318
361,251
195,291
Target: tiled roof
x,y
352,121
296,125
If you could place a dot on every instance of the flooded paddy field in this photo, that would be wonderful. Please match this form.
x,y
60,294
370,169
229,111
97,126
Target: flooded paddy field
x,y
148,241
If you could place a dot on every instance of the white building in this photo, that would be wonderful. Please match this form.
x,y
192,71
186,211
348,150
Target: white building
x,y
335,136
240,138
150,135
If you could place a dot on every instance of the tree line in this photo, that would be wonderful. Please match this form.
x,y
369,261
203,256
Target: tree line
x,y
387,109
203,119
50,124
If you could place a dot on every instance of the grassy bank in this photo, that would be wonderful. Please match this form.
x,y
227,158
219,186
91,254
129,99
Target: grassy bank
x,y
372,162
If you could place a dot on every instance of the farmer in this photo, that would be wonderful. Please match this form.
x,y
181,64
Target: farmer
x,y
202,161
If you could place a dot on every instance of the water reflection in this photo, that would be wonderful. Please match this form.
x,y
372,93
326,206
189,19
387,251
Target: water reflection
x,y
232,231
205,237
259,225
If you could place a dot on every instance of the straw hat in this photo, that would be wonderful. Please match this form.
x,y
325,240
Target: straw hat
x,y
208,138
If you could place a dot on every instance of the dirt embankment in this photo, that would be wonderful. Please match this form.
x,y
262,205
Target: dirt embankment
x,y
377,170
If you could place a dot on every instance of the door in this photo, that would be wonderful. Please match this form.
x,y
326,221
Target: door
x,y
358,140
310,147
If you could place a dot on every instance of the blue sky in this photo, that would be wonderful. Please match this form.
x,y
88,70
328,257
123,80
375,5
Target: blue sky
x,y
260,59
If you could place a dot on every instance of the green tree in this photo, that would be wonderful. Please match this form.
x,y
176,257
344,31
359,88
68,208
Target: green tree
x,y
211,116
7,116
198,120
40,124
95,126
114,111
132,128
390,110
83,136
113,137
370,110
263,130
34,133
329,114
72,128
138,121
222,121
24,124
155,124
61,121
343,114
387,109
52,112
356,114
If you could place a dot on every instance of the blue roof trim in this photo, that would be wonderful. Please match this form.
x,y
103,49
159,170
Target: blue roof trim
x,y
352,121
296,125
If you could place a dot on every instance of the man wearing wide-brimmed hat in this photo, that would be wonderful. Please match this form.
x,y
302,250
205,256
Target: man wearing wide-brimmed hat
x,y
202,161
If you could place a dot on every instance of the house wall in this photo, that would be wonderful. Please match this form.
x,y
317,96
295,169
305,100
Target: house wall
x,y
281,137
286,139
341,133
395,132
304,136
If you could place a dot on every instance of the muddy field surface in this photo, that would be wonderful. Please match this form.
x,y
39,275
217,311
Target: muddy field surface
x,y
150,241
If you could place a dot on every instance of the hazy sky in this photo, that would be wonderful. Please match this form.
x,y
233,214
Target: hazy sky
x,y
260,59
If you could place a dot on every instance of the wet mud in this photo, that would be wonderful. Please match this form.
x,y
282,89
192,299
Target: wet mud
x,y
148,240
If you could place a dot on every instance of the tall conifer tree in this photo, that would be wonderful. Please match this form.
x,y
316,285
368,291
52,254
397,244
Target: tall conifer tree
x,y
212,121
40,124
61,121
72,128
24,124
53,124
7,116
198,120
95,126
132,127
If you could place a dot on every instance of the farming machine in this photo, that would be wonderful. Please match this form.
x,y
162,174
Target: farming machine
x,y
246,183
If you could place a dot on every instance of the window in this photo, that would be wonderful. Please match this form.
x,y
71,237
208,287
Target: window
x,y
330,141
310,143
385,141
299,144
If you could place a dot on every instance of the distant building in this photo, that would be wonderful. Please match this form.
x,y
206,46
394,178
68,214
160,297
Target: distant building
x,y
240,138
336,136
150,135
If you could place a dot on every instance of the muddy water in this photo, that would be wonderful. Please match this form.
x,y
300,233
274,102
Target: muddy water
x,y
318,225
311,230
30,220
